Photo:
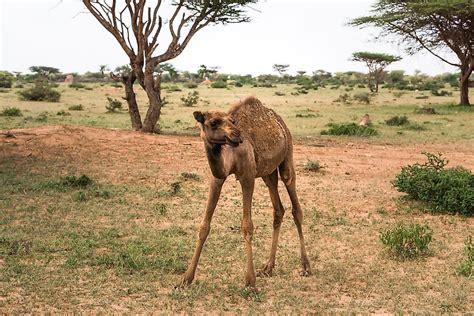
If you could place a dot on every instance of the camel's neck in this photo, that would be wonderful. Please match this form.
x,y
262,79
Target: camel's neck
x,y
216,160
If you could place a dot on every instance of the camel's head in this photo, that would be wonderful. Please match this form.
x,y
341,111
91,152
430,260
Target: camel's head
x,y
218,128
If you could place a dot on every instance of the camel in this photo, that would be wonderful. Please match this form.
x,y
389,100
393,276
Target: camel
x,y
249,141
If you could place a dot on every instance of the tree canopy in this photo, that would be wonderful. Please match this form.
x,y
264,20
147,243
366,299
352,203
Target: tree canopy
x,y
138,27
376,62
434,26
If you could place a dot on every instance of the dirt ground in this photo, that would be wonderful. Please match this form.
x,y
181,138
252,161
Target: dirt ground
x,y
353,187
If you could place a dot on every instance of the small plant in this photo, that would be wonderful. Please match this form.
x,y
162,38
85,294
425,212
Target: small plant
x,y
444,189
161,209
344,98
42,117
422,97
312,165
41,91
11,111
415,127
301,90
78,107
191,99
76,182
441,93
407,241
219,84
398,94
113,105
190,176
397,120
350,129
306,115
63,113
175,188
466,266
425,111
363,97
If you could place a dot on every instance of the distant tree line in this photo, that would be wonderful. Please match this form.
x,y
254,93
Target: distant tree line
x,y
395,79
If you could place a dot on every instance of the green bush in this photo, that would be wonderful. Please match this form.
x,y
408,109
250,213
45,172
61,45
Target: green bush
x,y
312,165
219,84
41,91
350,129
113,105
172,88
407,241
444,189
191,99
77,85
6,79
63,113
397,120
78,107
191,85
363,97
465,267
42,117
11,111
344,98
76,182
441,93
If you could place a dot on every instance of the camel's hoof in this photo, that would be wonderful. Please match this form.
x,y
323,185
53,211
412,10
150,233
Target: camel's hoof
x,y
183,284
265,272
305,273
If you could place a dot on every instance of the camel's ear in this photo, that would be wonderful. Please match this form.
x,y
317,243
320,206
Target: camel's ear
x,y
199,116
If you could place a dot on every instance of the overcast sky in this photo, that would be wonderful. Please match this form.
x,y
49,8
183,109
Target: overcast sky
x,y
306,34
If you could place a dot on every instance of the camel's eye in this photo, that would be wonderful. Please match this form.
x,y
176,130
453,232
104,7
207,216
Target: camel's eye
x,y
214,123
233,121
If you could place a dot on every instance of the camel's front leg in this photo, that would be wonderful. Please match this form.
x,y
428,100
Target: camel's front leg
x,y
247,229
214,193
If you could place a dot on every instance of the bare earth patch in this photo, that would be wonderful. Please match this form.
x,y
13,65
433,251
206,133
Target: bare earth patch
x,y
346,205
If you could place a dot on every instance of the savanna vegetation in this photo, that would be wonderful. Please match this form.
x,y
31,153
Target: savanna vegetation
x,y
97,217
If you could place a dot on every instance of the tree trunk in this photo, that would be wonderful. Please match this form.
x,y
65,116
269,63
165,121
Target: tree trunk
x,y
464,85
153,91
128,80
132,102
369,80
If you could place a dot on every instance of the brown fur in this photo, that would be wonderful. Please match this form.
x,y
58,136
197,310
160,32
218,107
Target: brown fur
x,y
250,141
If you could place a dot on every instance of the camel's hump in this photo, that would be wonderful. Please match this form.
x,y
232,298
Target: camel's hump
x,y
265,128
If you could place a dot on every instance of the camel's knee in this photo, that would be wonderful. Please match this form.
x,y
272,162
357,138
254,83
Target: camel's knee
x,y
204,231
278,217
247,230
297,214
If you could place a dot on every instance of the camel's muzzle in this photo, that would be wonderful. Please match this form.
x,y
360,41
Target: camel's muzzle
x,y
234,139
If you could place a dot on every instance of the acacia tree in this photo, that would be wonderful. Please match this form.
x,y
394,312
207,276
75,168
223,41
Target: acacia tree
x,y
281,68
431,26
376,63
137,26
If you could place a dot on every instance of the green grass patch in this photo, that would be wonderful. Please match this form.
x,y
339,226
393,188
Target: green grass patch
x,y
407,242
466,266
11,111
397,120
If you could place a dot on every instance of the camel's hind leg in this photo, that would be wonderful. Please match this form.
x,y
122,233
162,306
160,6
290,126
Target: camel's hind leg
x,y
288,176
278,211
